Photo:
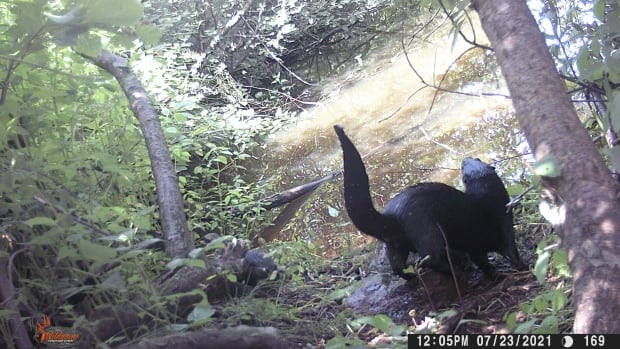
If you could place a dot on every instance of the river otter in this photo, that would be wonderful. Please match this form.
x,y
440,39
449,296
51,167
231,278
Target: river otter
x,y
474,222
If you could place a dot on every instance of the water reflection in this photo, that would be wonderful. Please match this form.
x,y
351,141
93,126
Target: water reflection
x,y
407,133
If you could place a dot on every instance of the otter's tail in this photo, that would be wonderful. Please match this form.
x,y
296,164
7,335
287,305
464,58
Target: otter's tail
x,y
357,194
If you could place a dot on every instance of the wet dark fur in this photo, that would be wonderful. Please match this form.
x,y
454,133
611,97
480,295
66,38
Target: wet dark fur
x,y
474,222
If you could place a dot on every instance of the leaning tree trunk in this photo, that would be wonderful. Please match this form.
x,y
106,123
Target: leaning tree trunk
x,y
172,216
591,229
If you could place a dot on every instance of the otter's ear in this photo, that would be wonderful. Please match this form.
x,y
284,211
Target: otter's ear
x,y
488,165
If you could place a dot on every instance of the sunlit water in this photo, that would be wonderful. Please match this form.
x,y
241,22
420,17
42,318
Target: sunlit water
x,y
409,134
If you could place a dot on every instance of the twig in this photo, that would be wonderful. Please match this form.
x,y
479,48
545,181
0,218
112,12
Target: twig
x,y
452,270
74,216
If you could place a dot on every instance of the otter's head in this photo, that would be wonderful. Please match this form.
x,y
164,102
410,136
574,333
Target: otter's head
x,y
474,169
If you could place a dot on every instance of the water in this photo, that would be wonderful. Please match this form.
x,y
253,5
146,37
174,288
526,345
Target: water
x,y
408,133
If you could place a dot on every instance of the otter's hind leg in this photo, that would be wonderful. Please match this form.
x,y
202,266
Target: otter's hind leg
x,y
482,261
397,256
431,247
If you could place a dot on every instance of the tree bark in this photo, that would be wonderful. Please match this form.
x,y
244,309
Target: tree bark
x,y
591,229
10,306
172,215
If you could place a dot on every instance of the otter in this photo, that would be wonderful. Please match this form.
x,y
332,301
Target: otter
x,y
473,222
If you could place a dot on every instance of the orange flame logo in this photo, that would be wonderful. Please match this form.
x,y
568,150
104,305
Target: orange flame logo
x,y
54,335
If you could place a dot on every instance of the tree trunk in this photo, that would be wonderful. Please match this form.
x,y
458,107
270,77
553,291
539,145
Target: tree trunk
x,y
172,215
591,229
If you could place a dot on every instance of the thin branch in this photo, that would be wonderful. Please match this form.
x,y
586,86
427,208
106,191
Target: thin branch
x,y
14,64
471,42
73,216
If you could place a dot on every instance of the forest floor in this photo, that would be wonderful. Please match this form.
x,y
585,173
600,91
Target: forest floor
x,y
310,310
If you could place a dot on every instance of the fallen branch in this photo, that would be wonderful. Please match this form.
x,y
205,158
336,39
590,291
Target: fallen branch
x,y
239,337
289,195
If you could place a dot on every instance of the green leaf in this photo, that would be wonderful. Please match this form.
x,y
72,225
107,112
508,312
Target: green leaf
x,y
114,281
548,166
613,153
96,252
171,131
540,268
49,238
198,263
613,68
177,262
526,326
195,253
540,303
613,106
222,159
599,10
88,44
589,70
148,34
381,322
333,212
66,251
114,12
515,189
201,312
558,300
340,293
559,258
185,104
40,221
231,277
218,242
548,325
73,16
511,320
